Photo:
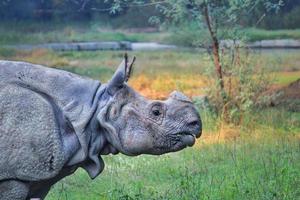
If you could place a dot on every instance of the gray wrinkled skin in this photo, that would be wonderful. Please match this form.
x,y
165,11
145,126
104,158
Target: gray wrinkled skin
x,y
52,122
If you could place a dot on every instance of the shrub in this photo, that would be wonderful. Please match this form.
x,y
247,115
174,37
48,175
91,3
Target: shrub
x,y
243,84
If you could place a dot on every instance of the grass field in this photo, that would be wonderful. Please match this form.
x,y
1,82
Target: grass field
x,y
260,159
254,34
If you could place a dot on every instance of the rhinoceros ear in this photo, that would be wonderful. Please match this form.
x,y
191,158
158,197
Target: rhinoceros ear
x,y
121,76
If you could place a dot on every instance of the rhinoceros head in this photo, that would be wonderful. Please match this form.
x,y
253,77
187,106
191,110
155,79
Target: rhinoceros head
x,y
135,125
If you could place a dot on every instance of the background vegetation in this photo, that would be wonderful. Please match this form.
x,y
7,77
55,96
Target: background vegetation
x,y
133,15
90,20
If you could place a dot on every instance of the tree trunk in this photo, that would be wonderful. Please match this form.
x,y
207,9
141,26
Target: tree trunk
x,y
216,55
218,66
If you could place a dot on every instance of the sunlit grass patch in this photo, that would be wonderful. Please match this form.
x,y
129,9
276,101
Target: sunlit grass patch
x,y
285,78
160,86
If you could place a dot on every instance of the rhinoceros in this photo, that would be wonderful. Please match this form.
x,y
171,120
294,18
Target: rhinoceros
x,y
52,122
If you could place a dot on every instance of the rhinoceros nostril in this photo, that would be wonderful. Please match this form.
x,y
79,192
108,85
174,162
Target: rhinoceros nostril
x,y
193,123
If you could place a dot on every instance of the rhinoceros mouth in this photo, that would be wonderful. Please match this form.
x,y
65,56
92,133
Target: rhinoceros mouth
x,y
188,138
181,139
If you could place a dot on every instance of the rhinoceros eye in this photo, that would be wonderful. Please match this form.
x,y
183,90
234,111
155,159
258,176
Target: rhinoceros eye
x,y
157,112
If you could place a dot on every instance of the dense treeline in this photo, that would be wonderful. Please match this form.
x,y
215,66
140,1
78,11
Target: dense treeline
x,y
288,17
52,9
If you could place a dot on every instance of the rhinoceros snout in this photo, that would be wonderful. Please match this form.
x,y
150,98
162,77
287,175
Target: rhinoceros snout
x,y
196,127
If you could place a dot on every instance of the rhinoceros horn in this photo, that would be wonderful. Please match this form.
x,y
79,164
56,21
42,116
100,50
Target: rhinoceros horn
x,y
180,97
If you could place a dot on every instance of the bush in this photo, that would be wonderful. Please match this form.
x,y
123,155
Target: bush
x,y
243,85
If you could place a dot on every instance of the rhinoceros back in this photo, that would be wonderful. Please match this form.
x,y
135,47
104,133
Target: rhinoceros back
x,y
32,112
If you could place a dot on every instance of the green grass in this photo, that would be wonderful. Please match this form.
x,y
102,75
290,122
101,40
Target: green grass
x,y
276,60
191,35
36,33
254,34
286,78
262,163
155,62
8,37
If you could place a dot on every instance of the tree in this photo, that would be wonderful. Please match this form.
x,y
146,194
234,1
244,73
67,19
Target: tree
x,y
61,9
218,17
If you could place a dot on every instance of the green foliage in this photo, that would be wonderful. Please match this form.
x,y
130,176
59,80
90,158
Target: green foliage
x,y
188,35
118,13
285,18
36,33
221,12
134,17
292,19
244,83
224,19
135,13
51,9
